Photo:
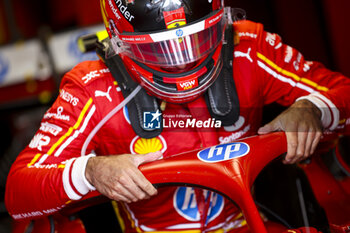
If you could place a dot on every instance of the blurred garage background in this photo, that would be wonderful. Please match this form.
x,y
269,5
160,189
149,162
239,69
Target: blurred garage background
x,y
38,45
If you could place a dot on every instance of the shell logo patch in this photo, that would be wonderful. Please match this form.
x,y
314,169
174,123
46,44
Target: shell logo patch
x,y
146,145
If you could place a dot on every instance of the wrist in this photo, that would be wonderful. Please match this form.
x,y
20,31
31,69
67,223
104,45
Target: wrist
x,y
74,181
89,169
305,103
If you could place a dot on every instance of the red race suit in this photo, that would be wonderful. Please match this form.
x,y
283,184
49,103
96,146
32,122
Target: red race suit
x,y
49,172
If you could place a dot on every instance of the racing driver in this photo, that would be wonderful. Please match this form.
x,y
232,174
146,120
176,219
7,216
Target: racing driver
x,y
175,60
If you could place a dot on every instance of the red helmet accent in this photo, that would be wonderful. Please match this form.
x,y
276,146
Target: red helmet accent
x,y
149,34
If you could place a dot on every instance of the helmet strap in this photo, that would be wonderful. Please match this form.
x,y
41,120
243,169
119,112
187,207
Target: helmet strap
x,y
221,97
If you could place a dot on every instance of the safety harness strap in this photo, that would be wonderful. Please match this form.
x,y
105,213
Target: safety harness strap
x,y
221,97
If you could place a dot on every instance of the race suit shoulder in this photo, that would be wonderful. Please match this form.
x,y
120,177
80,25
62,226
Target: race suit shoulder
x,y
286,76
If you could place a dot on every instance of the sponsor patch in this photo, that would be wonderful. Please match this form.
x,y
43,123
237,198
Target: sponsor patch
x,y
38,141
57,115
289,54
186,85
99,93
146,145
185,204
271,39
296,63
234,136
65,95
175,18
247,34
244,55
122,9
223,152
91,75
50,128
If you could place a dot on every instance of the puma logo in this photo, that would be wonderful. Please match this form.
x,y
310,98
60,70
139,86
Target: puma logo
x,y
246,55
104,94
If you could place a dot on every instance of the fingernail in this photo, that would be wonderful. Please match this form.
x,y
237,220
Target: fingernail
x,y
287,160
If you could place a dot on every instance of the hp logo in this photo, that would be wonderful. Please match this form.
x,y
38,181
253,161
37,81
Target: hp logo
x,y
223,152
179,32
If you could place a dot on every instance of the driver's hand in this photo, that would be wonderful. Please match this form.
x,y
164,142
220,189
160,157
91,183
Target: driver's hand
x,y
118,176
303,127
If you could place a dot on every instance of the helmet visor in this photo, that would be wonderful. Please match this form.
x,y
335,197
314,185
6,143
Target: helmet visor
x,y
174,47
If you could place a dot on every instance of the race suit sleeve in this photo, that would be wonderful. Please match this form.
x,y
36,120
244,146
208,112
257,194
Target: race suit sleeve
x,y
288,77
49,172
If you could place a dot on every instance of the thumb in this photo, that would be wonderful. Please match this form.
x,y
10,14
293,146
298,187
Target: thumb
x,y
146,158
268,128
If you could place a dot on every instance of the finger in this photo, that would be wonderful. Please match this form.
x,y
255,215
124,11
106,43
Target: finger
x,y
114,193
292,143
268,128
308,145
146,158
143,183
125,186
133,187
315,142
300,152
118,197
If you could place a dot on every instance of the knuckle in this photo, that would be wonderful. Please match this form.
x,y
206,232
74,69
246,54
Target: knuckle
x,y
312,133
318,134
122,179
142,196
117,197
109,194
300,154
148,187
117,187
293,144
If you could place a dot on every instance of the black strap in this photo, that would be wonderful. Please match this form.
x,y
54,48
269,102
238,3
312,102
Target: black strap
x,y
140,104
221,97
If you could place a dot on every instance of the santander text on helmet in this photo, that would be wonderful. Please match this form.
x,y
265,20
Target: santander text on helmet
x,y
123,9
